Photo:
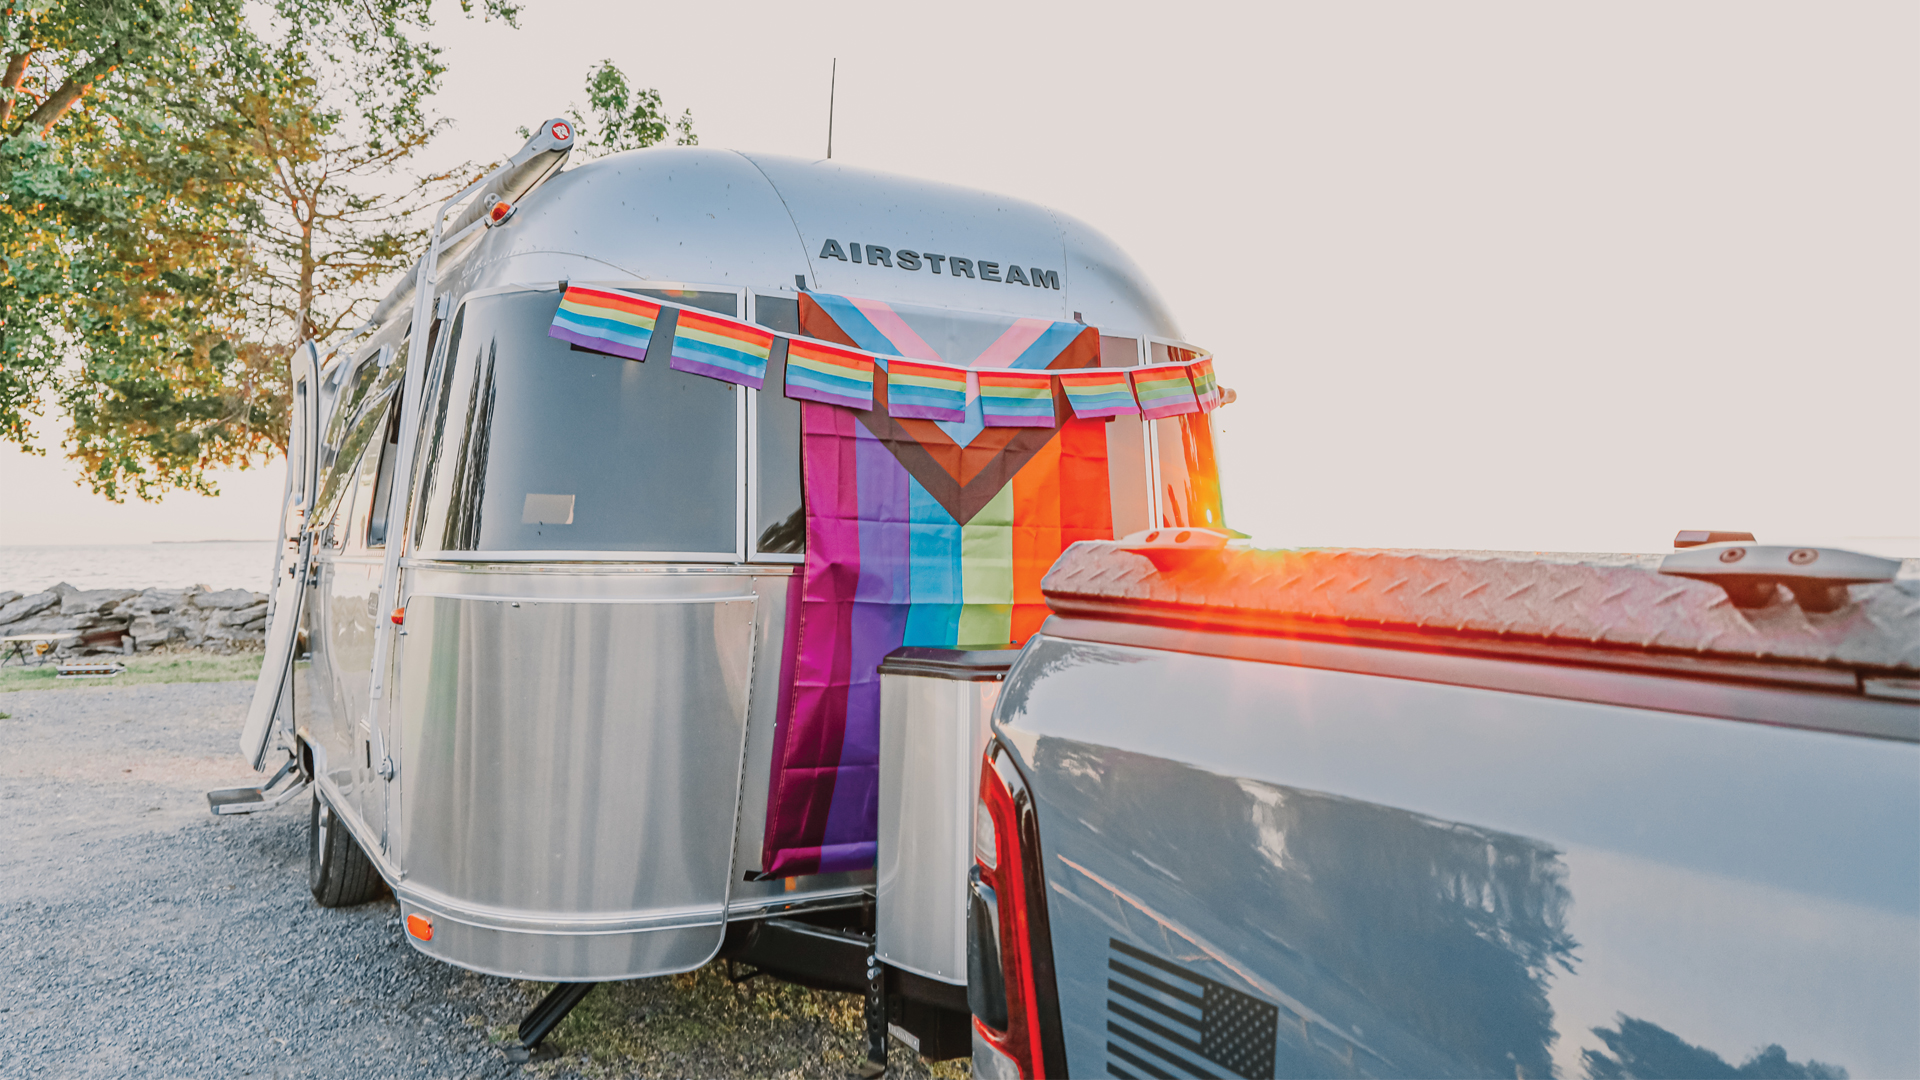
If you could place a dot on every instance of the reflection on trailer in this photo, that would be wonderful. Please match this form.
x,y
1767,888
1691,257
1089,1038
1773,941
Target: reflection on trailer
x,y
532,614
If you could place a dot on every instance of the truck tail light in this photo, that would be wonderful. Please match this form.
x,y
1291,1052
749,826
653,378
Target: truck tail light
x,y
1009,955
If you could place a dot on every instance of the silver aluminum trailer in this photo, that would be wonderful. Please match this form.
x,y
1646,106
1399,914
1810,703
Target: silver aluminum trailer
x,y
529,611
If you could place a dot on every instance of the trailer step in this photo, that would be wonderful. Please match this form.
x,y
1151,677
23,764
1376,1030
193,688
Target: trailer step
x,y
252,800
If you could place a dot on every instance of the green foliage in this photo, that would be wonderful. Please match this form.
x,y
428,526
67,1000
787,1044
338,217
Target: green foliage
x,y
623,118
187,192
121,190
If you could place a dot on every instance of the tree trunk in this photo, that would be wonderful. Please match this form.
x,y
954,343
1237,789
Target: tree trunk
x,y
56,106
16,74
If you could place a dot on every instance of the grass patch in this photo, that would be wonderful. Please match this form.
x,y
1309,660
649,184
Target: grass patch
x,y
161,668
699,1024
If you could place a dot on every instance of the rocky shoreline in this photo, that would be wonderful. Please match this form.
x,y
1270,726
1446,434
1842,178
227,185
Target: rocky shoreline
x,y
137,620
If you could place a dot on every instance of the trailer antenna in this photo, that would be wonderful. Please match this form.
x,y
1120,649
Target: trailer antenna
x,y
833,81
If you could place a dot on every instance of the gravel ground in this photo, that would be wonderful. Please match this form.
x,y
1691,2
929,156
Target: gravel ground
x,y
140,935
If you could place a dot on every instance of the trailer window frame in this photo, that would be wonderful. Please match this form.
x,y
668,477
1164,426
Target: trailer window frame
x,y
1155,349
444,370
755,527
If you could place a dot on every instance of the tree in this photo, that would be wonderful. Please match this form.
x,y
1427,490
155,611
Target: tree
x,y
625,119
185,200
121,190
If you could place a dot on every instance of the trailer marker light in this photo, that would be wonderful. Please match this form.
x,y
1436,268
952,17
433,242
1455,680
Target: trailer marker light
x,y
399,616
500,213
420,926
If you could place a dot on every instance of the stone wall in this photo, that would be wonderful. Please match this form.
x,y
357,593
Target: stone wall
x,y
136,620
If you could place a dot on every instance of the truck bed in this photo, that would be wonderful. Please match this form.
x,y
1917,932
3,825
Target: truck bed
x,y
1392,813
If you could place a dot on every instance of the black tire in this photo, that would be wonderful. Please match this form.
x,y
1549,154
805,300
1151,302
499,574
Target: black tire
x,y
338,872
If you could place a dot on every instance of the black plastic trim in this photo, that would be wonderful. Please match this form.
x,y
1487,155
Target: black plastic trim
x,y
820,957
1046,990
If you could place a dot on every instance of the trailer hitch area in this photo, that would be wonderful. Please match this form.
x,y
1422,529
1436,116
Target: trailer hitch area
x,y
545,1017
1752,574
252,800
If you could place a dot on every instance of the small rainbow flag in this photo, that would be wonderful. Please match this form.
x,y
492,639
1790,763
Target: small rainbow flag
x,y
1097,392
616,323
1205,386
721,348
1010,397
1164,390
924,391
826,373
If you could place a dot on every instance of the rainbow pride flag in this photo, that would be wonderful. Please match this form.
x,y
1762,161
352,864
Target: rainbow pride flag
x,y
616,323
889,565
1205,387
1164,390
926,391
1098,392
1016,398
721,348
829,374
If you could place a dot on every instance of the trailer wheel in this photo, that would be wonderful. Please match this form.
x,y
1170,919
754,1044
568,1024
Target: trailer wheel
x,y
338,872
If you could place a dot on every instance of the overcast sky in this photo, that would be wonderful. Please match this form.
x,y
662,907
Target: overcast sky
x,y
1484,274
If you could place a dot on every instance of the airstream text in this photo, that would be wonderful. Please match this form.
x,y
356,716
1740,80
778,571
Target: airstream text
x,y
905,259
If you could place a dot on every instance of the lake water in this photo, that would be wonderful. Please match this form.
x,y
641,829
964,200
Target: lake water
x,y
218,564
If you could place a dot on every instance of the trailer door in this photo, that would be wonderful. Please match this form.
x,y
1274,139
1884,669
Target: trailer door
x,y
272,694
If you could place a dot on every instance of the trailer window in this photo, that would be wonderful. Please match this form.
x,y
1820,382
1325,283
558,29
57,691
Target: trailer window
x,y
548,448
1128,485
720,303
779,523
1189,476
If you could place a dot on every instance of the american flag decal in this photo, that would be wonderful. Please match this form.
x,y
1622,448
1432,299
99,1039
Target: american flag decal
x,y
1163,1020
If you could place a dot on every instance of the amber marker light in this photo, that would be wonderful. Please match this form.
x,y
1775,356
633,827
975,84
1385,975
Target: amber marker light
x,y
501,212
399,616
420,926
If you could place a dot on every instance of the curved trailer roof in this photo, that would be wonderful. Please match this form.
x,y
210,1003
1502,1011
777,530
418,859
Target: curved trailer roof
x,y
718,217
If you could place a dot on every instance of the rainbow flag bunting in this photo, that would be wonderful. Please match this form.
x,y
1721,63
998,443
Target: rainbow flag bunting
x,y
1015,398
616,323
829,374
923,391
721,348
1164,390
1098,392
1205,387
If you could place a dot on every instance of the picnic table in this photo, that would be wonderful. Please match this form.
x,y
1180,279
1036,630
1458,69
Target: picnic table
x,y
15,645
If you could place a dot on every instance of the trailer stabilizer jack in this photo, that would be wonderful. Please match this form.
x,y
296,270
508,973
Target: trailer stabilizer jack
x,y
546,1016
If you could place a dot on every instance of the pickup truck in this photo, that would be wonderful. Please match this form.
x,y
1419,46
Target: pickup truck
x,y
1434,814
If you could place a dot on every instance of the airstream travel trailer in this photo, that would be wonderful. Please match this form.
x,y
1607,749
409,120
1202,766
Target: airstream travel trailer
x,y
576,654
